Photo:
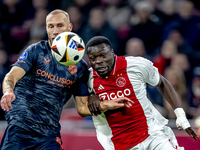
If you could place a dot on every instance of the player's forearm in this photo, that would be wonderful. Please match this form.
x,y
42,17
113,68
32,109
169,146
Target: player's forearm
x,y
104,106
83,111
81,103
169,93
8,83
82,107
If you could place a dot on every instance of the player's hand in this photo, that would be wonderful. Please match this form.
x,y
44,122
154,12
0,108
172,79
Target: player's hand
x,y
118,103
183,123
191,133
94,105
6,100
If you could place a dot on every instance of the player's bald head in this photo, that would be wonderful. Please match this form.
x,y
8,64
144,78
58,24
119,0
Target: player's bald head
x,y
58,11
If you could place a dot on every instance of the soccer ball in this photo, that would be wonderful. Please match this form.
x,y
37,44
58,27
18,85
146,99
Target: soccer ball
x,y
68,48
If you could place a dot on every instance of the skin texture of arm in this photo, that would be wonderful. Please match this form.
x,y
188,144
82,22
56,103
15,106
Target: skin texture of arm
x,y
94,104
9,82
170,95
81,103
81,106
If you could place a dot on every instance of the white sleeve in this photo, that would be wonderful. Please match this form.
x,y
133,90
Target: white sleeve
x,y
152,76
146,70
90,81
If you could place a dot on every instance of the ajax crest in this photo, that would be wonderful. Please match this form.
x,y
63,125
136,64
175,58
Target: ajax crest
x,y
121,82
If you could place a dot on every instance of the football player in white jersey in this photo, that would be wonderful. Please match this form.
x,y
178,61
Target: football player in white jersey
x,y
139,126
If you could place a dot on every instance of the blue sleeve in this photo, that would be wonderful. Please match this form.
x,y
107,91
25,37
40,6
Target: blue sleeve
x,y
27,58
80,88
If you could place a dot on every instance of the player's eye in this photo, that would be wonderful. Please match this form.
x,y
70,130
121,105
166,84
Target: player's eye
x,y
92,58
50,26
102,55
60,25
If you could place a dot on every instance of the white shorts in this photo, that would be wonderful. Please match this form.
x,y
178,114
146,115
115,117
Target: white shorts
x,y
160,140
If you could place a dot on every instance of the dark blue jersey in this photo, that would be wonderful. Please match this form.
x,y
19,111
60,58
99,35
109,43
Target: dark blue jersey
x,y
44,89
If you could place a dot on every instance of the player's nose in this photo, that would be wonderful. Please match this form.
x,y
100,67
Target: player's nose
x,y
55,31
98,60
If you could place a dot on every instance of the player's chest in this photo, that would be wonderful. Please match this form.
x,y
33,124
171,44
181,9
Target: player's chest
x,y
113,87
49,70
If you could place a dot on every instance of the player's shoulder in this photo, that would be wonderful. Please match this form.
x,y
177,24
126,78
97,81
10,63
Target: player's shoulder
x,y
90,72
90,69
82,63
40,46
82,67
138,61
139,64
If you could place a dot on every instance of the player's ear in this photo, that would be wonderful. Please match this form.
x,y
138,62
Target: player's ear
x,y
112,51
70,26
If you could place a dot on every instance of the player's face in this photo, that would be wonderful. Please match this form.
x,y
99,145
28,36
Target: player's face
x,y
56,24
101,58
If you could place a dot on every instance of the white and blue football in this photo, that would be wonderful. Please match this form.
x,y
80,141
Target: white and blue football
x,y
68,48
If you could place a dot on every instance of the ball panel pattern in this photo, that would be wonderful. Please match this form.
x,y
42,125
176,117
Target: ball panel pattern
x,y
68,48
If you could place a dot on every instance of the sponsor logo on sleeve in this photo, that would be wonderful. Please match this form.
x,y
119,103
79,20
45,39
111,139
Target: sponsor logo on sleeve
x,y
23,56
72,69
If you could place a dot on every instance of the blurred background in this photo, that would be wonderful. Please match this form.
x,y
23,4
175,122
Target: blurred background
x,y
165,31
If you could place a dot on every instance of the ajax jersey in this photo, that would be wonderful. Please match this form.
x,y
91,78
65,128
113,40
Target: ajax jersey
x,y
124,128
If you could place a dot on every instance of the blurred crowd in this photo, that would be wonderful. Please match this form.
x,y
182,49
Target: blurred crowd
x,y
165,31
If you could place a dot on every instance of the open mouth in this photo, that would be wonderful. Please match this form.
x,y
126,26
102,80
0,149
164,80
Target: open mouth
x,y
102,69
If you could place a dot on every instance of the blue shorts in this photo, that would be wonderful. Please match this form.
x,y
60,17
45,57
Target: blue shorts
x,y
16,138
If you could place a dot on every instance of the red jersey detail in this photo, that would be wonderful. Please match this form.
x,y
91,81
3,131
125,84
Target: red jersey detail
x,y
174,146
129,125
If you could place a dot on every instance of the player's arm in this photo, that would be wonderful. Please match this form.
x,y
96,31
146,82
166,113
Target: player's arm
x,y
168,93
171,96
9,83
81,103
94,104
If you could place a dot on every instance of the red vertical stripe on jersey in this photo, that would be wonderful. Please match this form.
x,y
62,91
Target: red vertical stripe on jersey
x,y
129,125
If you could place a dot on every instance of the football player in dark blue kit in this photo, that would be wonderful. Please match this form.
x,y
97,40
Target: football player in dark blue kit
x,y
38,87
